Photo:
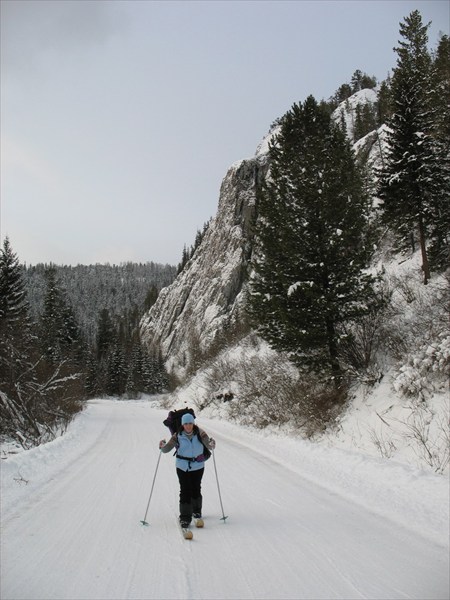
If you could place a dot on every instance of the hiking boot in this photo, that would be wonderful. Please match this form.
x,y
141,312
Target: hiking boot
x,y
197,507
185,514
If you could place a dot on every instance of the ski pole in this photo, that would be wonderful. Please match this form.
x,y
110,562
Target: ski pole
x,y
144,522
223,517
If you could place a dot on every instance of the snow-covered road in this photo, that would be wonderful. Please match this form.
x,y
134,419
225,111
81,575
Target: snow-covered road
x,y
304,522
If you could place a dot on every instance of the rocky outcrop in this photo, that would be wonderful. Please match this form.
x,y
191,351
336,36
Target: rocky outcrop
x,y
346,113
190,316
371,149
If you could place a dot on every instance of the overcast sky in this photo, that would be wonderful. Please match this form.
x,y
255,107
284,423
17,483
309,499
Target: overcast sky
x,y
119,119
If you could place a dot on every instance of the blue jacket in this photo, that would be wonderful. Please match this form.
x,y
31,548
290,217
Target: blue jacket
x,y
189,446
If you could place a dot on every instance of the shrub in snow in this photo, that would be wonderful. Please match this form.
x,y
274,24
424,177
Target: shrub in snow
x,y
267,389
426,430
425,371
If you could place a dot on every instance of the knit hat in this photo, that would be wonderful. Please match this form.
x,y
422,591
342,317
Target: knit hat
x,y
187,418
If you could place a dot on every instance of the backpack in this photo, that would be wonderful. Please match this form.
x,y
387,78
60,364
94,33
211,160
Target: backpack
x,y
173,422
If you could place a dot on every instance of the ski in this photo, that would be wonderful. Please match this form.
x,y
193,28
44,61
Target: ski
x,y
199,522
187,533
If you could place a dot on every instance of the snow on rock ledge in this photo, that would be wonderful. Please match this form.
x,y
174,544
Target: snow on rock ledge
x,y
346,111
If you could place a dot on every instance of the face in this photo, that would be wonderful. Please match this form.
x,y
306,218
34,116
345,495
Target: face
x,y
188,427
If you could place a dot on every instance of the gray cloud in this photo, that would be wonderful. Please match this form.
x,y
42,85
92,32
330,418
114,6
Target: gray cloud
x,y
33,30
120,118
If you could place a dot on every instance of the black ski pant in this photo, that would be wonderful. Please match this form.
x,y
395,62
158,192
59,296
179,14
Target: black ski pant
x,y
190,492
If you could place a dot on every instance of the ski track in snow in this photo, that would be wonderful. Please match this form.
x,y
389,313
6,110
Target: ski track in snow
x,y
295,530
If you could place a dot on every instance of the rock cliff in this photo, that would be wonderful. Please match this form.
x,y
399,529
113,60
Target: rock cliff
x,y
194,312
190,314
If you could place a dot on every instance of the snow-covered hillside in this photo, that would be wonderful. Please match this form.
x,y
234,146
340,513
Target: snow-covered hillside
x,y
304,521
401,413
398,410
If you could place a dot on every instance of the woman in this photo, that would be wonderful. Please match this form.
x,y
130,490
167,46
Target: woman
x,y
190,467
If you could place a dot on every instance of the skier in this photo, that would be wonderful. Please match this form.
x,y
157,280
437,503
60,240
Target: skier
x,y
190,463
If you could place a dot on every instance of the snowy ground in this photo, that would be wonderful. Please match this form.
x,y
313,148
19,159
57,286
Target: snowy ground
x,y
305,521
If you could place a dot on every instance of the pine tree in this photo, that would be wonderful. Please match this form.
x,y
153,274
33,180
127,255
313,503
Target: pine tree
x,y
365,120
343,93
439,250
105,335
156,380
15,324
92,382
413,185
312,240
117,372
135,379
441,89
361,81
35,393
60,334
151,297
384,102
104,344
184,259
17,341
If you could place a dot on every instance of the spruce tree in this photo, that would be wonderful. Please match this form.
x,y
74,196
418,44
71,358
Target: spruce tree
x,y
60,334
441,88
361,81
135,379
106,335
365,120
312,241
92,382
117,372
105,341
343,93
384,102
413,183
35,393
155,375
439,250
151,297
16,329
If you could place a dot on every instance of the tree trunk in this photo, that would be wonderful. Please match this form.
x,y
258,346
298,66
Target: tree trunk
x,y
425,264
333,351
